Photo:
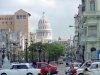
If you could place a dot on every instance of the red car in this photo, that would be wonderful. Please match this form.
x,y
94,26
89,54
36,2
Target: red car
x,y
47,68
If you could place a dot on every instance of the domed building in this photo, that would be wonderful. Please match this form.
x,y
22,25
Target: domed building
x,y
44,31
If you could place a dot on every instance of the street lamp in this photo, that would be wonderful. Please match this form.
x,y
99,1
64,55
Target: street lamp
x,y
3,53
32,50
26,55
39,51
83,54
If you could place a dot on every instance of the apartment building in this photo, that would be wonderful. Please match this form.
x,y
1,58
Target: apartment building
x,y
19,22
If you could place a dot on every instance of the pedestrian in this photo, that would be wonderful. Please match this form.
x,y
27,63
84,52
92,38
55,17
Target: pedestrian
x,y
34,64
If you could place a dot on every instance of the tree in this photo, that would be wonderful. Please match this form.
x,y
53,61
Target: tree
x,y
52,51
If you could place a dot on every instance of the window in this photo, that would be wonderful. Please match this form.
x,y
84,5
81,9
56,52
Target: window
x,y
2,22
17,16
24,16
6,22
92,31
11,22
92,5
21,16
94,66
43,65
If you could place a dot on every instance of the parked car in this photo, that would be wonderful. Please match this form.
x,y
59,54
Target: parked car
x,y
20,69
47,68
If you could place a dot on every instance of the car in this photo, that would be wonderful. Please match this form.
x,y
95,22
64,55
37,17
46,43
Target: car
x,y
67,67
71,67
20,69
60,61
94,69
47,68
83,68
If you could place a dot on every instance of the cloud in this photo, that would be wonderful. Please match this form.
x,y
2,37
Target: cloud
x,y
60,12
26,2
47,3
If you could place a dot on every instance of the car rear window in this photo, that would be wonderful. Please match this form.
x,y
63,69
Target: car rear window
x,y
19,67
43,65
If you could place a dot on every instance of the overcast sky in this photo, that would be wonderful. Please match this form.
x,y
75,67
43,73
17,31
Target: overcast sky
x,y
60,13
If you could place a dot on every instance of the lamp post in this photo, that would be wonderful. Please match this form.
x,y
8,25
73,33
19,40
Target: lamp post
x,y
83,54
39,51
3,53
32,50
26,55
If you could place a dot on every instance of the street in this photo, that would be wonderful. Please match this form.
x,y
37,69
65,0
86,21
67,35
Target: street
x,y
61,68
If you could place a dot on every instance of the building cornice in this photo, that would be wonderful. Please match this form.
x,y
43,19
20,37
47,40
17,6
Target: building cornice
x,y
95,14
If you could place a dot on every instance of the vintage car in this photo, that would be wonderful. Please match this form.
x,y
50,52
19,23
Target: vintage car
x,y
94,69
47,69
20,69
72,67
84,68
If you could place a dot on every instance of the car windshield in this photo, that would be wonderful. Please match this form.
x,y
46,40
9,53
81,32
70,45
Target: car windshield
x,y
76,65
86,65
94,66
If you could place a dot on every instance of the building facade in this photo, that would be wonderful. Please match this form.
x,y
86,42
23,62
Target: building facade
x,y
79,38
19,22
10,44
44,31
91,19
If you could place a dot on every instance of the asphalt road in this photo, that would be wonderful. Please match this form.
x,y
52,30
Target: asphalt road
x,y
61,68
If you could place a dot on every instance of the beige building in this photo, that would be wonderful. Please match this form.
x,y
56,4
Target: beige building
x,y
17,22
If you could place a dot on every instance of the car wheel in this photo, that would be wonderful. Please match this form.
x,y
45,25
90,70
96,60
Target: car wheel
x,y
80,74
3,74
29,74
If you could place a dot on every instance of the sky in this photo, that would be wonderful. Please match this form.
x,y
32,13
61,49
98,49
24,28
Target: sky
x,y
60,13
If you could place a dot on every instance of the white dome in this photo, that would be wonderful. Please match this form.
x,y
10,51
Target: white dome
x,y
44,31
43,20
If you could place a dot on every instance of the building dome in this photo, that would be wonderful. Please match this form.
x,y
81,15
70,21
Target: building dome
x,y
44,31
43,20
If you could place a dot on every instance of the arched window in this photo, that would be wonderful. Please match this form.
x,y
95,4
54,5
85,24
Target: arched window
x,y
92,5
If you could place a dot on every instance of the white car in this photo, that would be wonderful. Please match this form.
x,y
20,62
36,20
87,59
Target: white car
x,y
20,69
75,64
67,67
92,69
60,61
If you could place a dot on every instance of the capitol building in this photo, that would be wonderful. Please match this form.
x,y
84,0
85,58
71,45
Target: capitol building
x,y
44,31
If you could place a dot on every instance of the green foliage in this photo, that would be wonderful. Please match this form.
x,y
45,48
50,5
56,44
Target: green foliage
x,y
52,50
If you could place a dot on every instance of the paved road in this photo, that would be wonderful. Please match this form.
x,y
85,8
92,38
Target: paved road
x,y
61,68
